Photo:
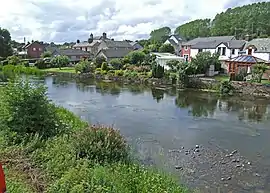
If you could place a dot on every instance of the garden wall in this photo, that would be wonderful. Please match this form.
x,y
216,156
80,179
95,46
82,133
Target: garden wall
x,y
248,88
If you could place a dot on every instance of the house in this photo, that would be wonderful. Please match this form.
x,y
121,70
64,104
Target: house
x,y
91,45
33,50
163,58
259,48
243,63
191,48
73,54
111,53
176,41
136,46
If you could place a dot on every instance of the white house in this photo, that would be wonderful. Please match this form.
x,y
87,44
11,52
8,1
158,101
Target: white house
x,y
176,41
259,48
163,58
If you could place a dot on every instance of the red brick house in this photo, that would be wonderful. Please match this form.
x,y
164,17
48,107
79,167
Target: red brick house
x,y
34,49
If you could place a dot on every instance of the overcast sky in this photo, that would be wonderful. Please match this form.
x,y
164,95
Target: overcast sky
x,y
68,20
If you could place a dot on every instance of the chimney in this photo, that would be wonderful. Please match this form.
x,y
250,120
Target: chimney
x,y
78,41
247,37
104,36
91,38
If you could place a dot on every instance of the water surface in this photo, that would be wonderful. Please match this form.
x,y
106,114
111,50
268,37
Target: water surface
x,y
162,124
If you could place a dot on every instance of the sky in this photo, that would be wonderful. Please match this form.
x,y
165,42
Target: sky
x,y
68,20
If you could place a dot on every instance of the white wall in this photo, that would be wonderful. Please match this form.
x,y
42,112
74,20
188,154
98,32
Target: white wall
x,y
162,61
264,56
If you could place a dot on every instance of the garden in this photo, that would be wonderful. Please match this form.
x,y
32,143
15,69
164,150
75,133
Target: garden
x,y
46,148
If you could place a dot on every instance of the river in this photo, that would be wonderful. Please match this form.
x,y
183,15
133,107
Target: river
x,y
210,143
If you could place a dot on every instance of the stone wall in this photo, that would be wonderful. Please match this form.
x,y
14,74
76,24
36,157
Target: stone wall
x,y
248,88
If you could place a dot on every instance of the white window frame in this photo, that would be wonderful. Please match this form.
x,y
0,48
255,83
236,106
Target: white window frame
x,y
34,49
186,57
185,47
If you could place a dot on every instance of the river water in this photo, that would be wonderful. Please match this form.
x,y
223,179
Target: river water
x,y
164,126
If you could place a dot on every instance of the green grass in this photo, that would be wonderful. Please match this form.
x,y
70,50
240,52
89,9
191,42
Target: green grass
x,y
64,69
222,77
265,81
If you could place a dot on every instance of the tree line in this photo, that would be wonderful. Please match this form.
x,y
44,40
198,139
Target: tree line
x,y
252,19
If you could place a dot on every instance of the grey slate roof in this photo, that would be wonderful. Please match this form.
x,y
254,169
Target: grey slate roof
x,y
118,44
214,39
262,44
115,53
235,44
247,59
73,52
178,37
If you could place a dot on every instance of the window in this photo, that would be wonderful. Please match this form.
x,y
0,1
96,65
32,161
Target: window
x,y
34,49
186,48
223,51
40,49
233,51
249,51
219,50
200,50
186,58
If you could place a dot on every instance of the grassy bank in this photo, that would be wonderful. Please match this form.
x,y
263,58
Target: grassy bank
x,y
46,148
64,69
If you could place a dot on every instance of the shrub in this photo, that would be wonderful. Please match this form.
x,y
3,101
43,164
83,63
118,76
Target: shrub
x,y
136,57
115,178
60,61
99,61
13,60
226,88
100,144
119,72
27,112
40,64
158,71
116,64
104,66
84,66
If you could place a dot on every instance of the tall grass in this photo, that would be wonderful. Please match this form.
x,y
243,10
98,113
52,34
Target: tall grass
x,y
20,69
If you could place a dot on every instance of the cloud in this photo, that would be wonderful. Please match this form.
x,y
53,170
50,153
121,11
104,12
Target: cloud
x,y
69,20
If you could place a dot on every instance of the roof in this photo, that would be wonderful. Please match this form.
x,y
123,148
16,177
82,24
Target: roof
x,y
247,59
261,44
115,53
73,52
178,37
235,44
29,44
172,42
217,39
117,44
163,54
86,44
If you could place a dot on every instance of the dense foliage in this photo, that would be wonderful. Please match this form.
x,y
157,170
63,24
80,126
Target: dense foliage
x,y
84,66
157,71
167,48
5,43
250,19
60,61
257,72
68,157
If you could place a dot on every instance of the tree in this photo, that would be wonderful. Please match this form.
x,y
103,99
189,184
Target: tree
x,y
167,48
60,61
5,43
174,65
136,57
160,35
202,61
46,54
257,72
158,71
194,29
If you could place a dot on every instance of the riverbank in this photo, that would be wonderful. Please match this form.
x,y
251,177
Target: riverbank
x,y
65,154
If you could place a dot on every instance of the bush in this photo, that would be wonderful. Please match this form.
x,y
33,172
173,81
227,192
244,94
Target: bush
x,y
226,88
119,72
14,60
104,66
115,179
99,61
158,71
136,57
27,112
116,64
40,64
84,66
100,145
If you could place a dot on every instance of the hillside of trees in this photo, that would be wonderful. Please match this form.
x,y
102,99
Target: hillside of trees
x,y
252,19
